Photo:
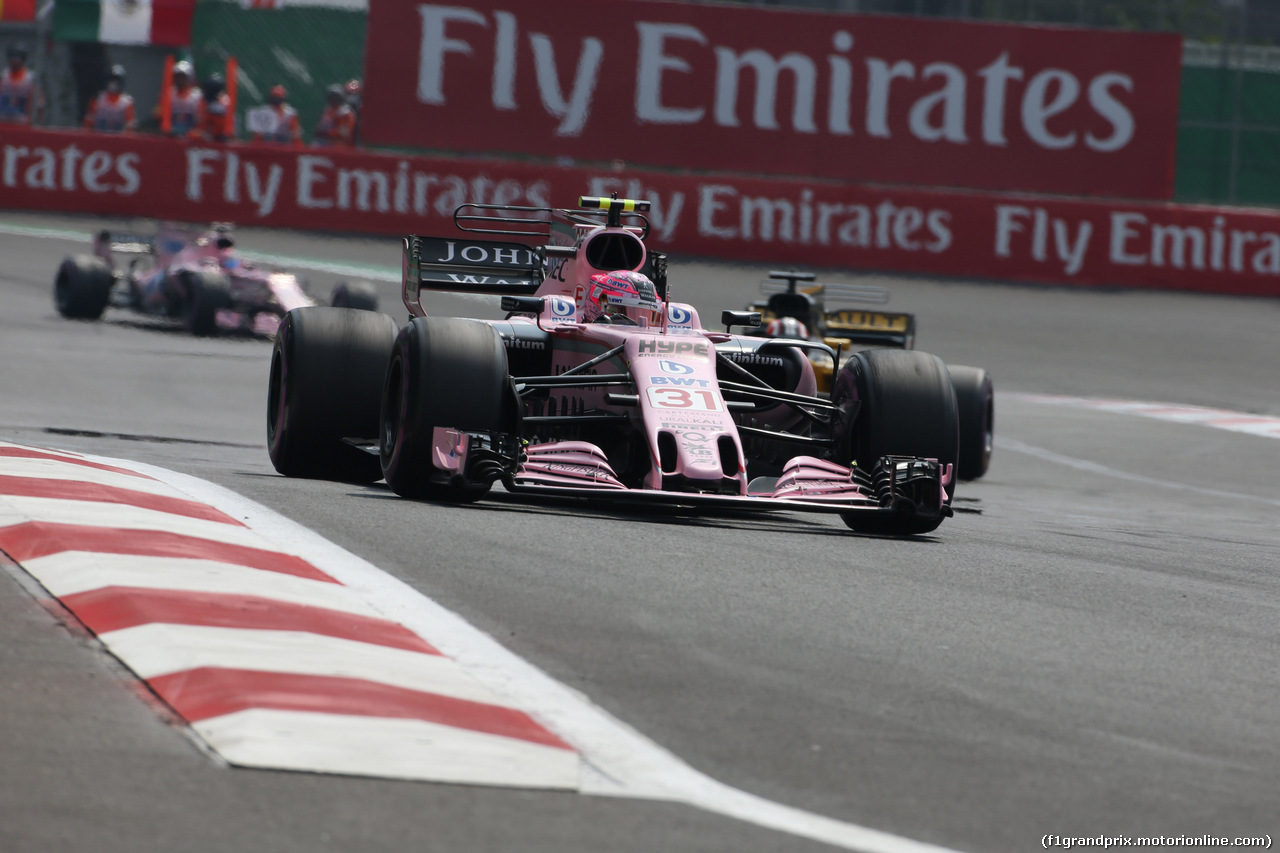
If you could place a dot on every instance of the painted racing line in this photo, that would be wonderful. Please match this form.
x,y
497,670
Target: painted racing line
x,y
281,650
1265,426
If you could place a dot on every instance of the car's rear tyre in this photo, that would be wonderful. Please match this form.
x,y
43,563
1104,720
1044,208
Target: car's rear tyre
x,y
207,294
906,407
82,287
444,372
359,294
327,368
975,401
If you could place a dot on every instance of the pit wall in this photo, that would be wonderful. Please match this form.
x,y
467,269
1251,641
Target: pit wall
x,y
809,223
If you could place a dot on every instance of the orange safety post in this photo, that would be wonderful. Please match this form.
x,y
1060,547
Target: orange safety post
x,y
166,96
233,81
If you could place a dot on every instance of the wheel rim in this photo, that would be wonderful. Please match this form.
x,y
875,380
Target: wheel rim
x,y
989,431
392,400
276,399
60,291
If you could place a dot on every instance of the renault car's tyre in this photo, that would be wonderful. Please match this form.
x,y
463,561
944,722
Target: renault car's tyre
x,y
975,400
327,369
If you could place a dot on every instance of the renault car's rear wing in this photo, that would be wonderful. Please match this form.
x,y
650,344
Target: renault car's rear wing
x,y
874,328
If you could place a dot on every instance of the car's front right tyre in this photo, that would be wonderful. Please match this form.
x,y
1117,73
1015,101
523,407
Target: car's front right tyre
x,y
325,385
82,287
444,373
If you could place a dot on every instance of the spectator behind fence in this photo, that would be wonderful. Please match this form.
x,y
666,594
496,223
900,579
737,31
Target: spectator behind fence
x,y
217,105
337,123
354,91
185,103
112,111
18,94
275,121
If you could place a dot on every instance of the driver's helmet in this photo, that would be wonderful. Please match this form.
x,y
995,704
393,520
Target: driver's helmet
x,y
787,327
225,248
622,296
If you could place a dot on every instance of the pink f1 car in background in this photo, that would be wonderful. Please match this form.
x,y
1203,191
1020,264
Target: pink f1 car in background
x,y
194,276
568,398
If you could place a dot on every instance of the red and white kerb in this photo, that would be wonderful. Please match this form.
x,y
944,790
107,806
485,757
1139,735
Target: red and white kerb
x,y
273,662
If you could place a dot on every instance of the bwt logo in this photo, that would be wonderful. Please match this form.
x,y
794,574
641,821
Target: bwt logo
x,y
680,381
674,368
561,307
679,316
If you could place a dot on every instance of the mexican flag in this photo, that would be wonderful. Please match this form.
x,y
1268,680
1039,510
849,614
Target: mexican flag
x,y
162,22
17,10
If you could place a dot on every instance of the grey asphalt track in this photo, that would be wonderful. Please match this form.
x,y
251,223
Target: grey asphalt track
x,y
1084,650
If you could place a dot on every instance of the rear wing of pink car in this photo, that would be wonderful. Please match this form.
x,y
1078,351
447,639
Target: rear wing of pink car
x,y
467,266
519,269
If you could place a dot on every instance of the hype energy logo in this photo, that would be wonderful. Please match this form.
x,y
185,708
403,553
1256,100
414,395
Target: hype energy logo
x,y
659,348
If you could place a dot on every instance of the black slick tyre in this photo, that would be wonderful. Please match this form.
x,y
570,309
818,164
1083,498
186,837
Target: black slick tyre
x,y
447,373
906,406
82,287
325,385
359,294
975,400
207,294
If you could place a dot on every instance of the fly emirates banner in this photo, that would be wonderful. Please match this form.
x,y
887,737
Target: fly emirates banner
x,y
722,88
805,222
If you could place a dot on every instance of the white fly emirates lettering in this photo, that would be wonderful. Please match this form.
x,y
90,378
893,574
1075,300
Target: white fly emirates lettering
x,y
323,185
69,169
320,183
842,93
1133,239
725,211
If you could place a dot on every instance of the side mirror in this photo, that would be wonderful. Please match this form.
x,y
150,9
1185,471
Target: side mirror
x,y
523,304
739,318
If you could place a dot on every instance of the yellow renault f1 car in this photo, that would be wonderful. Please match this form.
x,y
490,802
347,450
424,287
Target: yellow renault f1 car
x,y
798,307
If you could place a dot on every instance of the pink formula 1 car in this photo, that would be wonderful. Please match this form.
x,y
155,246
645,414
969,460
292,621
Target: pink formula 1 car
x,y
194,276
598,386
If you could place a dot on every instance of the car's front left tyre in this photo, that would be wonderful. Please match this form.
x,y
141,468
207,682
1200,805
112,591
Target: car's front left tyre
x,y
895,403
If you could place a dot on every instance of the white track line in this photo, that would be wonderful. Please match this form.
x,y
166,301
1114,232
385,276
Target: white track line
x,y
1012,444
616,759
1264,426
